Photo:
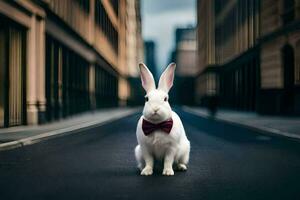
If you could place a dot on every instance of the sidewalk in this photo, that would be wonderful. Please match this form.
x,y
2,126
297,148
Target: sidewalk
x,y
24,135
282,126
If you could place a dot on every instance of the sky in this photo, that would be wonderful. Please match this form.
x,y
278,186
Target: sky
x,y
160,18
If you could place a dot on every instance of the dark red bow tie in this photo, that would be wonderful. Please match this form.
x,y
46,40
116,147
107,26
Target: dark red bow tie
x,y
149,127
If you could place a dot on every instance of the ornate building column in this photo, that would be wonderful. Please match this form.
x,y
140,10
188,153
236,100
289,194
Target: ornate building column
x,y
41,79
35,72
31,103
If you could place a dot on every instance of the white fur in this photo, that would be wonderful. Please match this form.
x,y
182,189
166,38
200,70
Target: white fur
x,y
170,148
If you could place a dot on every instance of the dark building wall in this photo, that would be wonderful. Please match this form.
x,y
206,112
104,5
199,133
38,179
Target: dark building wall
x,y
239,82
67,83
183,91
137,92
150,56
184,55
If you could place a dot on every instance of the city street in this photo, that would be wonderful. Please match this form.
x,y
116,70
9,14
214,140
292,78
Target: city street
x,y
226,162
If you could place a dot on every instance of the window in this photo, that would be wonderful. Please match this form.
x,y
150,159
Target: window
x,y
102,19
84,4
67,81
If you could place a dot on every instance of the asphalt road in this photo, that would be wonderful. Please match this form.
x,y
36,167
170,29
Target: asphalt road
x,y
227,162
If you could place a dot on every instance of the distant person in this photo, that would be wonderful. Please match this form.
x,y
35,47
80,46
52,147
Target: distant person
x,y
213,106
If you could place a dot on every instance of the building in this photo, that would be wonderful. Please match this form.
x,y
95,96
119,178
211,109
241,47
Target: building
x,y
232,53
228,53
280,57
131,51
60,58
248,54
145,54
185,57
134,52
185,52
150,56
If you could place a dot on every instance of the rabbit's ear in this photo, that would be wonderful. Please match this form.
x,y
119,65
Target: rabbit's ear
x,y
167,78
147,78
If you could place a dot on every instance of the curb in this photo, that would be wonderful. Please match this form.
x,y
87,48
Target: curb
x,y
61,132
262,130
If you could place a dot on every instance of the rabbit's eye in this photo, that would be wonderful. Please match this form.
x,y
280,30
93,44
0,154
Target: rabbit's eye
x,y
165,99
146,99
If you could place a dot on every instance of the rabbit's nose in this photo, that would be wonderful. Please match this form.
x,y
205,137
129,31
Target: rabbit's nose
x,y
156,109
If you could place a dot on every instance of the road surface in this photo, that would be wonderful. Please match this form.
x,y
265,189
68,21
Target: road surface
x,y
226,162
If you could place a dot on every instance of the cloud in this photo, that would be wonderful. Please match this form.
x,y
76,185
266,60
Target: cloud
x,y
161,6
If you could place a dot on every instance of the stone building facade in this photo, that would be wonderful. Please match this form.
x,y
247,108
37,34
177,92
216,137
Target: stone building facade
x,y
280,56
248,54
60,58
132,52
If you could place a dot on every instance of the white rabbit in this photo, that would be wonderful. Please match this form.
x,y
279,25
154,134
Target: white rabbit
x,y
172,147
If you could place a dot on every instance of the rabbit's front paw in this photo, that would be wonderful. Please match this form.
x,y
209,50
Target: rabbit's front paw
x,y
182,167
168,172
147,171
